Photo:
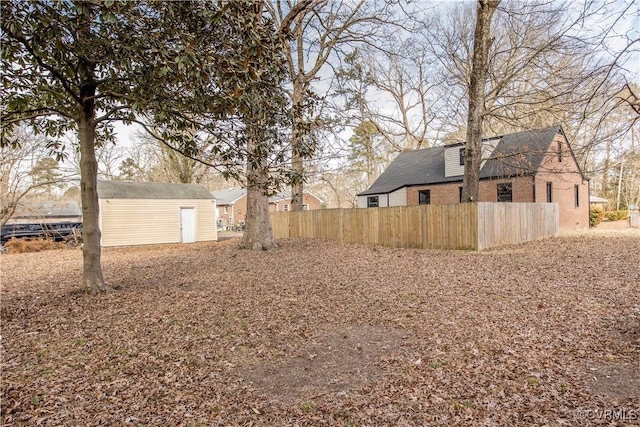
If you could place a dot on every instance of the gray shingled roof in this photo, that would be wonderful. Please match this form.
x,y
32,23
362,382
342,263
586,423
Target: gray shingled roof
x,y
516,154
519,153
228,196
151,190
411,168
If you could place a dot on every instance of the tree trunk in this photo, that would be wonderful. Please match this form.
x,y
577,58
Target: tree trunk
x,y
371,161
258,234
606,167
92,279
297,161
297,188
479,70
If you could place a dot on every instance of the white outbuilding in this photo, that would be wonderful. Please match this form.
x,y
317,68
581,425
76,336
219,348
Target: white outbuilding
x,y
142,213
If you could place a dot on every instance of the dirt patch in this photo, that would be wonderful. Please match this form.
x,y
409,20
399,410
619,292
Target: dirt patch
x,y
334,362
616,380
619,377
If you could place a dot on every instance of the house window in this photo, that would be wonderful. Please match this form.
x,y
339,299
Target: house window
x,y
560,151
462,157
305,207
576,191
549,192
226,209
424,197
505,192
372,201
460,194
286,207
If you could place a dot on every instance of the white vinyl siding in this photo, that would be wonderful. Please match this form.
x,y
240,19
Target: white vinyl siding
x,y
487,150
452,166
398,197
125,222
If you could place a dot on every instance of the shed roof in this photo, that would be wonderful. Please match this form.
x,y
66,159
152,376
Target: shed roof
x,y
515,154
151,190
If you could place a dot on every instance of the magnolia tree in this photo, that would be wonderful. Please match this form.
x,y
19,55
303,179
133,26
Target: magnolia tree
x,y
78,66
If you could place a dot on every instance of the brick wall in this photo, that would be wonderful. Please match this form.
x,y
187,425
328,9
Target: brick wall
x,y
564,176
441,194
522,189
563,192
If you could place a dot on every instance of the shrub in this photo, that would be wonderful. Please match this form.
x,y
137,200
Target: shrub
x,y
616,215
18,246
596,215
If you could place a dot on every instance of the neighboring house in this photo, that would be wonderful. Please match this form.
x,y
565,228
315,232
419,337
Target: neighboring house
x,y
232,204
530,166
598,202
140,213
282,201
46,212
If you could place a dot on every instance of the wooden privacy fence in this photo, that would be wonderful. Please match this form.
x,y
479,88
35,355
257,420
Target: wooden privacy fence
x,y
470,226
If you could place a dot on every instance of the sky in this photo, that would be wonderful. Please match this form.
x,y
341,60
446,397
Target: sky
x,y
626,28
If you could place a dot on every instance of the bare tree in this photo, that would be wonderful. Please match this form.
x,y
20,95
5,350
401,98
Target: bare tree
x,y
151,160
343,184
108,156
318,29
402,76
478,79
19,174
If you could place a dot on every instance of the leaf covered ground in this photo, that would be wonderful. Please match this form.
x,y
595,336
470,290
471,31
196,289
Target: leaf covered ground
x,y
324,333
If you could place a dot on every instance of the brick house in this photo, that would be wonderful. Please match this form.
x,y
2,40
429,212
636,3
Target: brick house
x,y
530,166
232,204
282,201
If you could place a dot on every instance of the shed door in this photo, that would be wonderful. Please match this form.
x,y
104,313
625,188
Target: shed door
x,y
188,225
